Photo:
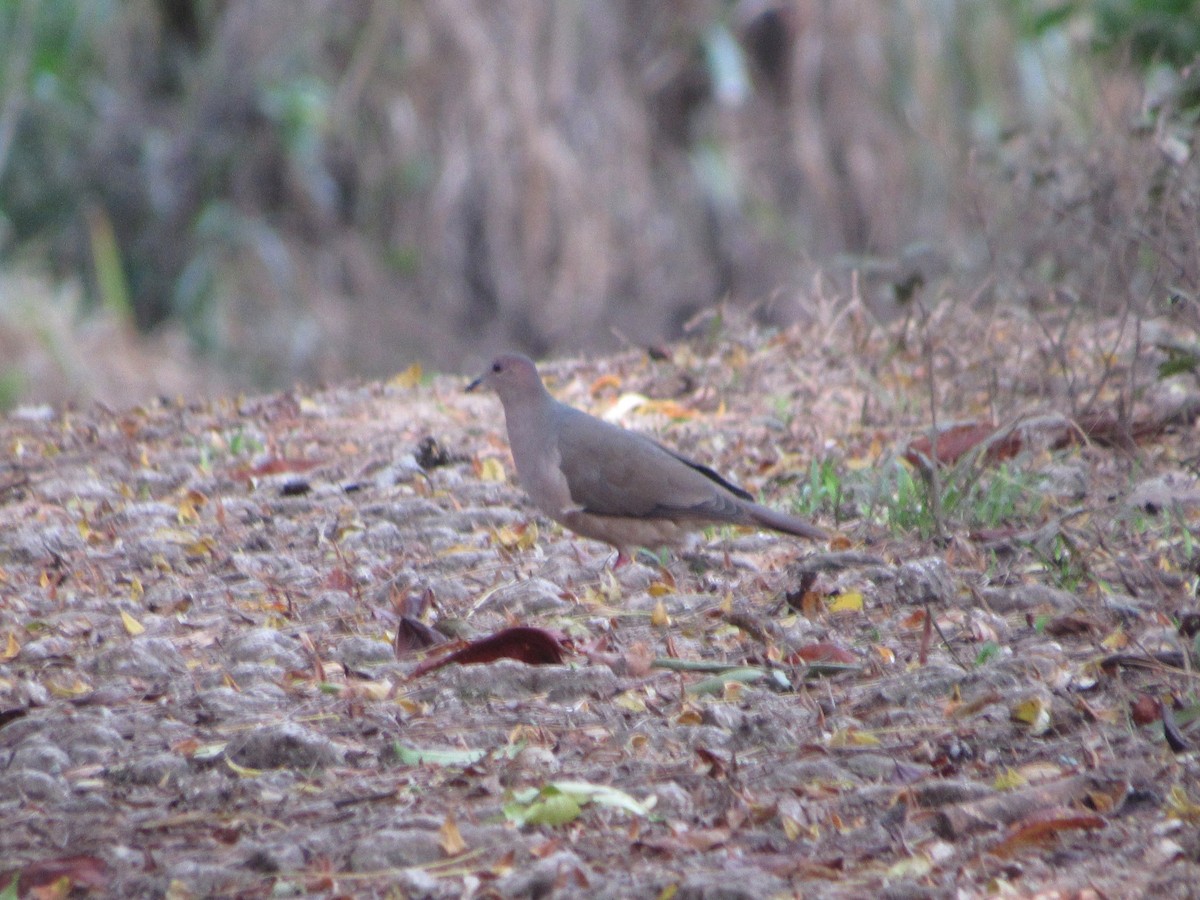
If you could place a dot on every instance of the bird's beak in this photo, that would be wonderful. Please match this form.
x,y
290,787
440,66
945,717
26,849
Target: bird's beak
x,y
474,384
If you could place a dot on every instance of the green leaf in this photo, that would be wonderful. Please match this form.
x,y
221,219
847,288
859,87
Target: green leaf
x,y
555,809
1178,362
989,649
585,792
717,683
560,802
415,756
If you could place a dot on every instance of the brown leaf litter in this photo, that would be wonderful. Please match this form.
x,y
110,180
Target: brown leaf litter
x,y
211,615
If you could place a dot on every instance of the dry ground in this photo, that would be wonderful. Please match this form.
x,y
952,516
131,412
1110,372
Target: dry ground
x,y
203,693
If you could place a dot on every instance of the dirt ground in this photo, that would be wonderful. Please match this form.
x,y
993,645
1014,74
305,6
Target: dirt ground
x,y
221,623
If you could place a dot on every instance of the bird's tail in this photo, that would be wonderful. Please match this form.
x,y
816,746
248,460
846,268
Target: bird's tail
x,y
781,521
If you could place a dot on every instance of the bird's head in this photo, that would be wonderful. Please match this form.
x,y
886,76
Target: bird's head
x,y
512,376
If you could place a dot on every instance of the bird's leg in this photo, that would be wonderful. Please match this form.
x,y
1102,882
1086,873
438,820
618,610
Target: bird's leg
x,y
623,559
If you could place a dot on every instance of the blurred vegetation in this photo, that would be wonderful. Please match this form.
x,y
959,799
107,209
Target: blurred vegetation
x,y
314,189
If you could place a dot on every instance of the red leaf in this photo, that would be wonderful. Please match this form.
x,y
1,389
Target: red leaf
x,y
87,872
824,651
339,580
1145,709
1045,825
532,646
958,440
275,466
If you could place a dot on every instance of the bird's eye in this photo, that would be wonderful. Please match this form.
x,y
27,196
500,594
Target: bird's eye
x,y
496,367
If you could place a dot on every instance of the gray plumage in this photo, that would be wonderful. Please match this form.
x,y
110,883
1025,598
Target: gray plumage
x,y
611,484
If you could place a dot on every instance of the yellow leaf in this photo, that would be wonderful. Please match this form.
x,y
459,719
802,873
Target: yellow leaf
x,y
914,867
490,469
689,716
852,737
791,828
204,546
1181,806
136,591
376,690
659,618
451,838
407,379
630,701
456,548
12,649
412,707
76,688
850,601
1116,640
516,537
1034,712
188,511
659,589
885,654
1009,780
242,771
863,738
611,588
132,625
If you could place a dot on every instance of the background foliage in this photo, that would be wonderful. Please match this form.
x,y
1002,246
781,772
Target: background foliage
x,y
315,188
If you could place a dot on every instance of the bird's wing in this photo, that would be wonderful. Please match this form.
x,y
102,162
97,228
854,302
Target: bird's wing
x,y
614,472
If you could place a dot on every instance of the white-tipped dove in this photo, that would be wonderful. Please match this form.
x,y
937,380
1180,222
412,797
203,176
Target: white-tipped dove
x,y
610,484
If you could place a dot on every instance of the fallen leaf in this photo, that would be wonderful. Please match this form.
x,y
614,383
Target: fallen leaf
x,y
242,771
1181,806
1144,709
57,877
532,646
850,601
450,838
1034,712
416,756
1174,737
490,469
958,440
412,634
1044,825
409,378
603,383
824,651
132,625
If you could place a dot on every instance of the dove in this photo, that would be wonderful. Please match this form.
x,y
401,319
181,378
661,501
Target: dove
x,y
611,484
